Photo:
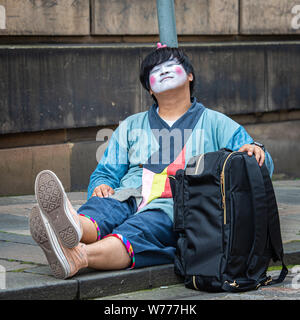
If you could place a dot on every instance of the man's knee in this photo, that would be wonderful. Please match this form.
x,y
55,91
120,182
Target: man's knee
x,y
114,247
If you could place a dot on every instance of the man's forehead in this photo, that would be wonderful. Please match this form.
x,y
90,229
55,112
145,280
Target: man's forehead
x,y
171,59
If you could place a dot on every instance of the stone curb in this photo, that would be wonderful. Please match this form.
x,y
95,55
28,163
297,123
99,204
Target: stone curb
x,y
96,285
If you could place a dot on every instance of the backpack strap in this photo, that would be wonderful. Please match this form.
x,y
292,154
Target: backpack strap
x,y
246,285
273,215
177,189
260,209
274,224
266,215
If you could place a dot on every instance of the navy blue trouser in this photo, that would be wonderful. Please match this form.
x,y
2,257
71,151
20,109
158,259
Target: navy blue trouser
x,y
148,236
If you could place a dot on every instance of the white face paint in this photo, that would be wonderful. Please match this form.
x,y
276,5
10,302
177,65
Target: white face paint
x,y
167,75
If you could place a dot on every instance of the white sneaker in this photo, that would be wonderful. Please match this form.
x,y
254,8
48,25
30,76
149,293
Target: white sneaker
x,y
64,262
58,210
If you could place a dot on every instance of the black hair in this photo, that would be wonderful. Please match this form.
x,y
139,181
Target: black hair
x,y
159,56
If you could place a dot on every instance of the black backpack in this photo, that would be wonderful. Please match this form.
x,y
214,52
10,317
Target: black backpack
x,y
226,219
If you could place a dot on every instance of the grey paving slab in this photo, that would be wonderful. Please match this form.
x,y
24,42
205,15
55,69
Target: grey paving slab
x,y
13,224
16,238
22,205
15,265
29,199
292,246
177,291
286,183
288,195
22,252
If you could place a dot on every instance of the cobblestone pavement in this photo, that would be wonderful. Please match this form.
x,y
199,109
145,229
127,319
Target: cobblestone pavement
x,y
27,276
288,290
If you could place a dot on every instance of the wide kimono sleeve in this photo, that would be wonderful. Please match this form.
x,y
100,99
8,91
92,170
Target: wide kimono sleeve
x,y
233,136
114,163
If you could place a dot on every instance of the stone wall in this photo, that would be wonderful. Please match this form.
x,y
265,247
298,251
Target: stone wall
x,y
54,87
138,17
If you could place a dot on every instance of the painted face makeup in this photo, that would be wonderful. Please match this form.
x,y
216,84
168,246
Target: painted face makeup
x,y
167,75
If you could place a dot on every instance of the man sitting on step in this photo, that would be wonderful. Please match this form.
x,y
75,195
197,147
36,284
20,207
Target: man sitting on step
x,y
127,221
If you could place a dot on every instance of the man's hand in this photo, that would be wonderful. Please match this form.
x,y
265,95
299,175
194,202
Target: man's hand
x,y
103,191
257,151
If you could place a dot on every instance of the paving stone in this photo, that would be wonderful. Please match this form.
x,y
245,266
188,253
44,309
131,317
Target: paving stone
x,y
13,224
22,252
17,200
15,265
16,238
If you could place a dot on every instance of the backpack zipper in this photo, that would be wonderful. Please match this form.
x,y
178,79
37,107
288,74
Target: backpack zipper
x,y
194,283
222,180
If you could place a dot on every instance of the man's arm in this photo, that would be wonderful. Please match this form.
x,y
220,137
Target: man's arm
x,y
242,141
112,166
229,134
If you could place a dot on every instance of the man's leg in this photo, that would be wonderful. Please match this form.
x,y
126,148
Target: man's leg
x,y
151,241
107,213
108,254
148,237
89,232
71,226
99,216
143,239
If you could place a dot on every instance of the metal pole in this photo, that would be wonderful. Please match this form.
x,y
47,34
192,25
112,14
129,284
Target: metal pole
x,y
167,22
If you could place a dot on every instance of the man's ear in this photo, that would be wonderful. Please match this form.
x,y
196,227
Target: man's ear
x,y
190,77
152,95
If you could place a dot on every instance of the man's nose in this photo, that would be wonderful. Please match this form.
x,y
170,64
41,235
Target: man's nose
x,y
164,70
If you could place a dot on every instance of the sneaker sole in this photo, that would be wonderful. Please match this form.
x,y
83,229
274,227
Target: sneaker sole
x,y
51,198
44,236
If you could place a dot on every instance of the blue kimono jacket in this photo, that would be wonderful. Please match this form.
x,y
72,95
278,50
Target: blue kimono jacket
x,y
143,151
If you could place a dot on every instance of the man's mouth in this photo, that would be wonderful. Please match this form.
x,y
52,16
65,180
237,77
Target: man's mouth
x,y
165,78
